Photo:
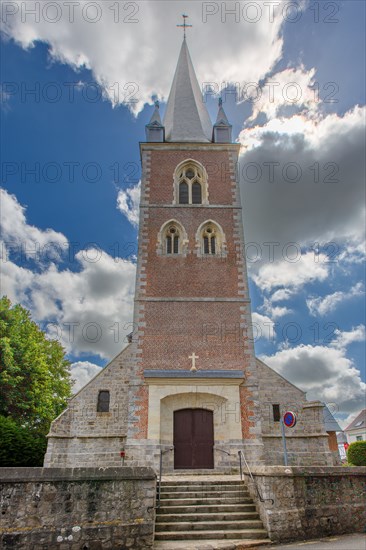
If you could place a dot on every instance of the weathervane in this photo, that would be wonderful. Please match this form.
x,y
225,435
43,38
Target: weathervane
x,y
184,26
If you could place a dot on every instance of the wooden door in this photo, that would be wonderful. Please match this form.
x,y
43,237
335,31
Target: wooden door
x,y
193,439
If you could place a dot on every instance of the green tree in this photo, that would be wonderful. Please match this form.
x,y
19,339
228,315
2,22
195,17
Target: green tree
x,y
34,374
20,446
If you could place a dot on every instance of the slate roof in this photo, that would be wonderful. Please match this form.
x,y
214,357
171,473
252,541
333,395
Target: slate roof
x,y
155,118
221,117
330,423
186,116
361,417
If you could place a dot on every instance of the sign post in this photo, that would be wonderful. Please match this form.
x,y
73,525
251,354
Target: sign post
x,y
288,420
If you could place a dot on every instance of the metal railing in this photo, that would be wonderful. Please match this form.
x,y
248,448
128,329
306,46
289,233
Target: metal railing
x,y
242,456
161,473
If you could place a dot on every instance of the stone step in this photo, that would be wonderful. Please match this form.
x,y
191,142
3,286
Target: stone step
x,y
196,486
241,534
205,508
230,472
227,544
204,494
205,525
202,482
213,516
202,501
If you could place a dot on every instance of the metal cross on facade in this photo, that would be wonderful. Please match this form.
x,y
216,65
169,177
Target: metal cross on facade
x,y
193,357
184,26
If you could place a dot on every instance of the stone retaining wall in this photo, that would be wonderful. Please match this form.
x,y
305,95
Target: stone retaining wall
x,y
309,502
77,509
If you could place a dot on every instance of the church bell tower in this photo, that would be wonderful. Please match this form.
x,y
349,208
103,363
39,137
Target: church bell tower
x,y
194,387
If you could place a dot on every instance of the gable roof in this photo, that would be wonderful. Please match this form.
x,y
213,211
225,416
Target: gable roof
x,y
330,423
186,116
361,417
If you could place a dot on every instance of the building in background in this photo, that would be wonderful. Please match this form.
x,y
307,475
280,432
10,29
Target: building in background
x,y
356,431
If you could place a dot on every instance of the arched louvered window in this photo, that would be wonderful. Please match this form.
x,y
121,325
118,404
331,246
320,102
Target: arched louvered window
x,y
183,193
209,240
196,193
191,183
172,240
103,401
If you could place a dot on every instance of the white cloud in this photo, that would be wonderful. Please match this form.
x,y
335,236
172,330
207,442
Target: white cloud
x,y
345,338
302,181
275,312
82,372
128,202
263,327
27,240
292,275
281,295
322,305
291,88
89,310
325,373
138,58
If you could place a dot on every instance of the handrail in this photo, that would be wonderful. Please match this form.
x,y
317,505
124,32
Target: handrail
x,y
241,454
161,473
223,451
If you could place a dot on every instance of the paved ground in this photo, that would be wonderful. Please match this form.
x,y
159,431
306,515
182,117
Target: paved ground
x,y
342,542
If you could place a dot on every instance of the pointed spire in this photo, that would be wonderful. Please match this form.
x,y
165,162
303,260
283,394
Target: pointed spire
x,y
221,115
186,117
155,129
222,130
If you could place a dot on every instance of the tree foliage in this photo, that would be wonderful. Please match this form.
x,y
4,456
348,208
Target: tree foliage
x,y
20,446
356,453
34,374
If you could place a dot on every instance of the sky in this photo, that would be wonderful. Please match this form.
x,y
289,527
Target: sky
x,y
78,83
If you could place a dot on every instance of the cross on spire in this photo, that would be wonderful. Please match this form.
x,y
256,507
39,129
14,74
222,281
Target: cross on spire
x,y
184,26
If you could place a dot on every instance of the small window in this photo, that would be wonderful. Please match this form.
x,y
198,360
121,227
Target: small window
x,y
276,413
172,241
359,438
103,401
209,241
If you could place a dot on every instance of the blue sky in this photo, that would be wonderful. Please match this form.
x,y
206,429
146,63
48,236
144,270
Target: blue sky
x,y
69,227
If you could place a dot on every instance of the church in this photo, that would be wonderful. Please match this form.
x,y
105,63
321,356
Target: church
x,y
188,388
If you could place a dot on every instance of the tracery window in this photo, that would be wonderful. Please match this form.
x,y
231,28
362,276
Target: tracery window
x,y
210,240
191,183
172,239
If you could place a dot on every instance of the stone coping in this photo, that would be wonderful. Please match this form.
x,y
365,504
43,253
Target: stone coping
x,y
122,473
306,471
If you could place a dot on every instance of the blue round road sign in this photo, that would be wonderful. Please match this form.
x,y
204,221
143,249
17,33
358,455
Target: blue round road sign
x,y
289,419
